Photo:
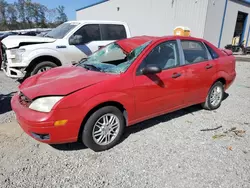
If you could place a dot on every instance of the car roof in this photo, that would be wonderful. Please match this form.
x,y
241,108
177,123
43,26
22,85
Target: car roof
x,y
97,22
130,44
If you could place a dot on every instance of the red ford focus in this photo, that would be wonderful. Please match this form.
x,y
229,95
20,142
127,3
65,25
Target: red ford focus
x,y
126,82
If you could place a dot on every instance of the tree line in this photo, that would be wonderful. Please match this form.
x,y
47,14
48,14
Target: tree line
x,y
25,14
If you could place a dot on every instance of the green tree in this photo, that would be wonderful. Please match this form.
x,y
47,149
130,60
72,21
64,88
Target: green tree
x,y
12,17
20,5
25,14
3,14
29,13
62,17
41,16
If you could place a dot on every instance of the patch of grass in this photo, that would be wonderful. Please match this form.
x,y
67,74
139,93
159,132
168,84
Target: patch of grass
x,y
217,136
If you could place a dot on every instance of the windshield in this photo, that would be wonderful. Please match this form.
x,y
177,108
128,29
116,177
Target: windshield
x,y
112,59
61,31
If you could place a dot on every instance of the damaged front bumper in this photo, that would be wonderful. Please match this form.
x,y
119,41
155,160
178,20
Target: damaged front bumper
x,y
13,72
11,67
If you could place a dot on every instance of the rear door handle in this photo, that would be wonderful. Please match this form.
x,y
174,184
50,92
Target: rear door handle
x,y
176,75
209,66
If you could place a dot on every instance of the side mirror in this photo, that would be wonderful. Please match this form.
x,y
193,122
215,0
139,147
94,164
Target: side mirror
x,y
151,69
75,40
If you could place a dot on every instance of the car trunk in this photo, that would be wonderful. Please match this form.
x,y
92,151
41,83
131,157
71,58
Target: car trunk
x,y
227,52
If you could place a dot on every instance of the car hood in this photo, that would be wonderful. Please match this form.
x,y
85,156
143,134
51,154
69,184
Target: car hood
x,y
61,81
16,41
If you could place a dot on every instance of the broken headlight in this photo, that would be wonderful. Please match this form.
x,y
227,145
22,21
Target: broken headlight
x,y
17,53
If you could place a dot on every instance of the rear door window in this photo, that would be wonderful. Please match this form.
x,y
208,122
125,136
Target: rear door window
x,y
194,52
113,32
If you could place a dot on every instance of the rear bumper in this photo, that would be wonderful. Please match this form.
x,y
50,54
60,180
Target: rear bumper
x,y
230,80
40,126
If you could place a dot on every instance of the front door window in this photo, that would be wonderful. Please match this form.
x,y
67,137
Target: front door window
x,y
164,56
87,33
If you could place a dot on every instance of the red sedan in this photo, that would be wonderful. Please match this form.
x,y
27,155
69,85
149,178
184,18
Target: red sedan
x,y
124,83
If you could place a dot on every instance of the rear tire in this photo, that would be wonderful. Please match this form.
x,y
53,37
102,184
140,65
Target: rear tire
x,y
214,97
101,132
42,67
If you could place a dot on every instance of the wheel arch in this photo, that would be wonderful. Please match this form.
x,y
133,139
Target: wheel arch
x,y
99,106
220,79
35,61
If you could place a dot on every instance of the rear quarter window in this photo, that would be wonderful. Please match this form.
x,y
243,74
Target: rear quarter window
x,y
212,52
113,32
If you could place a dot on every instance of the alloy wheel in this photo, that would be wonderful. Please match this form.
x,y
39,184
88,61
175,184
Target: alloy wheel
x,y
216,96
106,129
44,69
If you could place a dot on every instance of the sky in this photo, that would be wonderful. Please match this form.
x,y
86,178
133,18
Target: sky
x,y
70,5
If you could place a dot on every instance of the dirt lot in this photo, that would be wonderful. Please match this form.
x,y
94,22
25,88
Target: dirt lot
x,y
175,150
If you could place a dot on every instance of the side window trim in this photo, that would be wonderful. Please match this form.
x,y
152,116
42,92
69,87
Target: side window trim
x,y
99,25
181,53
100,29
177,55
211,51
208,53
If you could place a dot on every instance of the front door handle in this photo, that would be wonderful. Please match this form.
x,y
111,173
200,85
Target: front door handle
x,y
209,66
176,75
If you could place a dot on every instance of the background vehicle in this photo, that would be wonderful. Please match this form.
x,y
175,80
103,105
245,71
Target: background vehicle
x,y
42,34
124,83
2,36
237,48
67,44
30,33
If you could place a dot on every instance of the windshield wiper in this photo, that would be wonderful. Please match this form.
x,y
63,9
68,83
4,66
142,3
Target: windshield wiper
x,y
91,67
48,36
83,60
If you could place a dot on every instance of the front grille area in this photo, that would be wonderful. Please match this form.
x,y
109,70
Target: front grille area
x,y
40,136
3,56
25,101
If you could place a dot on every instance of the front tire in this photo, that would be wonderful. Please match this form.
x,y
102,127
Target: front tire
x,y
42,67
104,129
214,97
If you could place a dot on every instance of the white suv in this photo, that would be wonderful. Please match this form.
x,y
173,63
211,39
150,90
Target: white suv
x,y
24,56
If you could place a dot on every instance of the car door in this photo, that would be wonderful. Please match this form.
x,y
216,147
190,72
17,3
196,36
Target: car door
x,y
84,42
200,70
164,91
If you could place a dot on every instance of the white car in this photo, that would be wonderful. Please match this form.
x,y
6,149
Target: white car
x,y
24,56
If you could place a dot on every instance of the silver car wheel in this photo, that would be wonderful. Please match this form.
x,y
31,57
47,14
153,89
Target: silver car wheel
x,y
216,96
44,69
106,129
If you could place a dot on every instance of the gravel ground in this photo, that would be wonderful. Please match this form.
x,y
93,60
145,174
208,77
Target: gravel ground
x,y
7,88
168,151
